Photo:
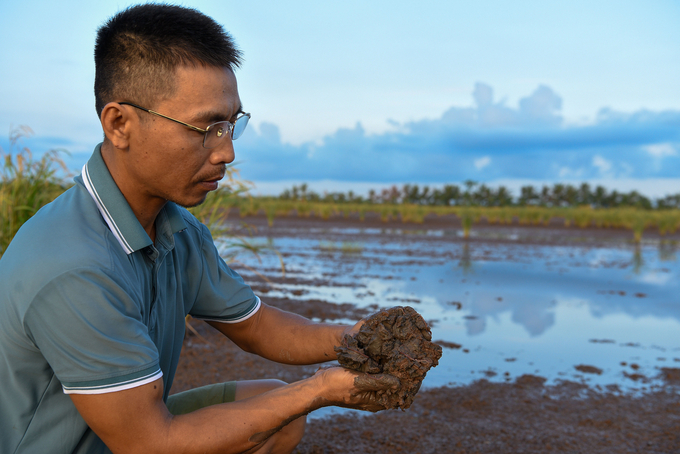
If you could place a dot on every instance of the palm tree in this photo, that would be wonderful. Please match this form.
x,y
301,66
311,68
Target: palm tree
x,y
557,195
584,195
545,198
425,196
503,196
468,197
600,197
372,196
571,195
528,196
451,195
303,191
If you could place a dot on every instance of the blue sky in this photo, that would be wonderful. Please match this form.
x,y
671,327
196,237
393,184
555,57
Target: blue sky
x,y
362,94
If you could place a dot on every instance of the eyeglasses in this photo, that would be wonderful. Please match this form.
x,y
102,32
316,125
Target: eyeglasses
x,y
213,133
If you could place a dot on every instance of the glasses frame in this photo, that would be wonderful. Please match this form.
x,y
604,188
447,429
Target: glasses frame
x,y
205,131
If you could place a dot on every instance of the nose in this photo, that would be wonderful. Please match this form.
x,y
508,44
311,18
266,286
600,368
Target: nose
x,y
223,153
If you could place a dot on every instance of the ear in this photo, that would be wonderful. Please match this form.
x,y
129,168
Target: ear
x,y
117,123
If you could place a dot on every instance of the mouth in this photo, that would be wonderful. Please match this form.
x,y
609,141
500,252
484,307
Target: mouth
x,y
211,183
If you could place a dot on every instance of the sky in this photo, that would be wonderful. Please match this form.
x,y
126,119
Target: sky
x,y
358,95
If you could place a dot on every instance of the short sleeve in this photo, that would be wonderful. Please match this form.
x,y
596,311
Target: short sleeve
x,y
223,296
90,331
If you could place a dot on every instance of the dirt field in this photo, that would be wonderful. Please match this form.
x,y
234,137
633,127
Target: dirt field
x,y
521,416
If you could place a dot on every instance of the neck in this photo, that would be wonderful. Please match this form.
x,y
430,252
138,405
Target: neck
x,y
145,208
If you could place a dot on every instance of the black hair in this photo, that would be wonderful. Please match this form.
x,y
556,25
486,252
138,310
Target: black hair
x,y
138,50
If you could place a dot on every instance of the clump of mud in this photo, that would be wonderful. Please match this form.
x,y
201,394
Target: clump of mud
x,y
394,341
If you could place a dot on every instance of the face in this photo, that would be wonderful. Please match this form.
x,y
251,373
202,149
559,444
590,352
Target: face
x,y
166,160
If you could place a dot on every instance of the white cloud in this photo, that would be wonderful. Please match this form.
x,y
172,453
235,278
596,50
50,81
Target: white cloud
x,y
483,95
543,105
602,164
482,162
567,172
626,170
659,150
270,132
656,278
496,141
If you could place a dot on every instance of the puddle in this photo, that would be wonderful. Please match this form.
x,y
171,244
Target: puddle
x,y
602,315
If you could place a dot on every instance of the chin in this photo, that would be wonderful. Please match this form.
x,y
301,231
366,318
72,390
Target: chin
x,y
189,202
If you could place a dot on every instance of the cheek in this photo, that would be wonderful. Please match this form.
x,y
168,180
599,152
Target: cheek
x,y
180,167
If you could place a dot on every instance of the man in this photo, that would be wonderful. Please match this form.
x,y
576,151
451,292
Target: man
x,y
95,287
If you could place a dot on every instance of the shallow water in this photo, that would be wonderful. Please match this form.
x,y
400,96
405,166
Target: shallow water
x,y
513,308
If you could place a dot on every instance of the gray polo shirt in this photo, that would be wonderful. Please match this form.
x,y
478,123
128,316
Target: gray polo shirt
x,y
88,304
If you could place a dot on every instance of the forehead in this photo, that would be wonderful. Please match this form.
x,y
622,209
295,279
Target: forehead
x,y
200,90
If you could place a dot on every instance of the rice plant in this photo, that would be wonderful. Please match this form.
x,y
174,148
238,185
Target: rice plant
x,y
637,220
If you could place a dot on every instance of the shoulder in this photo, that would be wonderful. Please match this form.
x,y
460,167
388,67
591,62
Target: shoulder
x,y
68,230
193,224
67,234
196,232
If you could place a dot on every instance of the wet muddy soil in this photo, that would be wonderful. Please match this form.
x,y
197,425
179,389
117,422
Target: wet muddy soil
x,y
395,341
520,417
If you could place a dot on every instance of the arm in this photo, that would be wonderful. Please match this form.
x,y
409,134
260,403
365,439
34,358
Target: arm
x,y
137,421
285,337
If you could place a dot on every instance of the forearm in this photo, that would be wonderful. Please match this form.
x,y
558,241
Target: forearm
x,y
242,425
286,337
136,420
245,424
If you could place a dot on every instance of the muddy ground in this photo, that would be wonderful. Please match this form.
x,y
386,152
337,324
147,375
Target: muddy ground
x,y
521,416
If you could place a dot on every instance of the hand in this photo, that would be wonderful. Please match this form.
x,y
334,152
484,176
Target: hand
x,y
352,330
346,388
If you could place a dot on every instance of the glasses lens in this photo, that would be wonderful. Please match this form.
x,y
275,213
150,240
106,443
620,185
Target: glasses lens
x,y
240,126
216,132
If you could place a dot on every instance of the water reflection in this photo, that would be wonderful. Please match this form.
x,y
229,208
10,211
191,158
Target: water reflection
x,y
343,247
465,262
638,261
534,314
541,304
667,250
534,319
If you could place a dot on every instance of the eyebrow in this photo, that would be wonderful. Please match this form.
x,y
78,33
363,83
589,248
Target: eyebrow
x,y
214,116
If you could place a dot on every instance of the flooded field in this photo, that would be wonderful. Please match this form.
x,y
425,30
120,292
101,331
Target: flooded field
x,y
566,304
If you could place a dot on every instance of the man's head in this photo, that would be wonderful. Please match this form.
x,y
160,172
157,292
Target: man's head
x,y
138,50
154,61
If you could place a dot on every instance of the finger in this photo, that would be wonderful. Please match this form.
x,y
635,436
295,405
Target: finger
x,y
376,382
368,401
351,330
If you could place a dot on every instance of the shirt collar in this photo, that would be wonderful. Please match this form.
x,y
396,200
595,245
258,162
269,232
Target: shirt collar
x,y
116,211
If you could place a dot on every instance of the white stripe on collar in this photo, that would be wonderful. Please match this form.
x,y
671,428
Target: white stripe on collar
x,y
104,212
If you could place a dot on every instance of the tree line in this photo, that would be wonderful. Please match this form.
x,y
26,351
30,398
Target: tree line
x,y
472,193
